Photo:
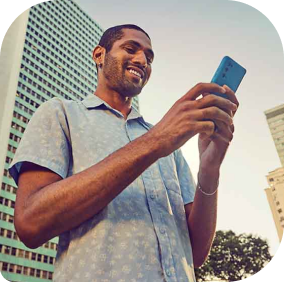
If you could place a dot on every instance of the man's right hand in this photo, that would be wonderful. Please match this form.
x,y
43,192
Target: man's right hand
x,y
190,116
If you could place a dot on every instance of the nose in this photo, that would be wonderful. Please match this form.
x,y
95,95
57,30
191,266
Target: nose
x,y
140,59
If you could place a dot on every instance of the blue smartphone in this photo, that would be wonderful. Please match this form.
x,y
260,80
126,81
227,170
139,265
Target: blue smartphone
x,y
230,73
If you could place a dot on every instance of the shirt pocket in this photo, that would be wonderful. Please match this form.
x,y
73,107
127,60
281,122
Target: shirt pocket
x,y
169,175
172,188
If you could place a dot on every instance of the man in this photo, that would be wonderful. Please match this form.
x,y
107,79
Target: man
x,y
116,190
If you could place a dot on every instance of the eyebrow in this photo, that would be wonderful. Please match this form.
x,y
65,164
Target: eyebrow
x,y
133,42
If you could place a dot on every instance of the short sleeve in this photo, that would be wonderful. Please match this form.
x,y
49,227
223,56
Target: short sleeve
x,y
45,141
186,181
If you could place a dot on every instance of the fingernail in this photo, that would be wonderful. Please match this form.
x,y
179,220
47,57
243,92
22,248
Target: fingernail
x,y
223,90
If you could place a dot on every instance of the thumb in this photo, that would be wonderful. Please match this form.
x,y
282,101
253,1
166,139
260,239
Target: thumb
x,y
203,136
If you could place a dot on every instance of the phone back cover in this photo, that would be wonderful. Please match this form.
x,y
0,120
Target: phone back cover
x,y
230,73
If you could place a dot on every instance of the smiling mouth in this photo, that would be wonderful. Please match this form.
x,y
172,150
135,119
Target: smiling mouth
x,y
135,73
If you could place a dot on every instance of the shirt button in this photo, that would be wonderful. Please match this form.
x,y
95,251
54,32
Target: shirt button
x,y
162,230
152,196
168,272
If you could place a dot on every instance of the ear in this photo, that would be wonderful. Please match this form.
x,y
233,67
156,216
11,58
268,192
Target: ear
x,y
99,54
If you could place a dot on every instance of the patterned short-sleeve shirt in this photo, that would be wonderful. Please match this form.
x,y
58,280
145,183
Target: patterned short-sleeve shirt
x,y
142,234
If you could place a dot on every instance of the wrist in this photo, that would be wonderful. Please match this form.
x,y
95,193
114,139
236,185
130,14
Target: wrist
x,y
208,180
153,142
206,193
156,142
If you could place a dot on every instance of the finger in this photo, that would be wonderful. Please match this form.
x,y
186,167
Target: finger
x,y
201,88
213,114
218,137
223,132
231,96
209,100
232,128
222,137
205,128
204,136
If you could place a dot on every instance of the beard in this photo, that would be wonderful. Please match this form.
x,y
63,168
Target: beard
x,y
115,74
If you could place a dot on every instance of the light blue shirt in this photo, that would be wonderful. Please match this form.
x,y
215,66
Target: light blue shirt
x,y
142,234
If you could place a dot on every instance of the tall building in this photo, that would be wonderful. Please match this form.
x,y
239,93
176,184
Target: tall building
x,y
46,53
275,197
275,179
275,119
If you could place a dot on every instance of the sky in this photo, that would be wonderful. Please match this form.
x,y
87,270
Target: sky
x,y
189,39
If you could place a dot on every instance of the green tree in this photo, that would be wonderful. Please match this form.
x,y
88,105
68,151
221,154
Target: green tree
x,y
234,257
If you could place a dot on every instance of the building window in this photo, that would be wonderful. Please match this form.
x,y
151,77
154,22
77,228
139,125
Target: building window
x,y
19,269
33,256
27,255
5,266
21,253
25,272
45,259
14,250
39,257
9,234
11,268
37,273
7,250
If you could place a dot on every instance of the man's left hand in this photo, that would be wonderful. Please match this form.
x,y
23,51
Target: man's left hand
x,y
212,149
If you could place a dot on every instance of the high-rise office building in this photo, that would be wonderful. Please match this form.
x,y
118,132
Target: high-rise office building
x,y
275,197
275,179
275,119
47,52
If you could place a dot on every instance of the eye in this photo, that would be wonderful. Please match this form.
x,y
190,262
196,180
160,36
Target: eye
x,y
129,50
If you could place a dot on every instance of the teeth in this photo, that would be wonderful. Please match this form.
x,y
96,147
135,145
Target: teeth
x,y
135,72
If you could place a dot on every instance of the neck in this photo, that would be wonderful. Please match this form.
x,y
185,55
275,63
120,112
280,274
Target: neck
x,y
114,99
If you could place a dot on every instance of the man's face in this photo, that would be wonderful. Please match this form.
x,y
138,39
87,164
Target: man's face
x,y
127,66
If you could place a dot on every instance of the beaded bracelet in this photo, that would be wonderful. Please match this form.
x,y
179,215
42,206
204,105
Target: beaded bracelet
x,y
205,193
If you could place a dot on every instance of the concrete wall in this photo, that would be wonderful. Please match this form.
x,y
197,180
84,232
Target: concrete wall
x,y
10,62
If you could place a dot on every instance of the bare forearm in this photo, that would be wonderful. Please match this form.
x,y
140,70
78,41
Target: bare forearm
x,y
202,219
65,204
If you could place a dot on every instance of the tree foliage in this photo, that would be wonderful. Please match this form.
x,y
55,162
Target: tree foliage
x,y
234,257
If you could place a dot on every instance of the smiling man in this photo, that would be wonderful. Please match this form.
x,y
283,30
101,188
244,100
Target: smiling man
x,y
121,78
116,190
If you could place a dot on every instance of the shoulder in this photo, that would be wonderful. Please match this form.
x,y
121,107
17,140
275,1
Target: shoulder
x,y
56,106
58,103
53,112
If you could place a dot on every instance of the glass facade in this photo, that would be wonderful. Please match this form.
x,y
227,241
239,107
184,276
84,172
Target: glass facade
x,y
56,62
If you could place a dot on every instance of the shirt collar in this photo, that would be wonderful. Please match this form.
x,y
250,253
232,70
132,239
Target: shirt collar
x,y
93,101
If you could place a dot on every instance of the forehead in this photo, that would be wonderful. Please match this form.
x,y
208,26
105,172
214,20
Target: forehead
x,y
135,35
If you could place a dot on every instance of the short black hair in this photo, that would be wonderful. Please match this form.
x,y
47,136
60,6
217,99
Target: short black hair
x,y
115,33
